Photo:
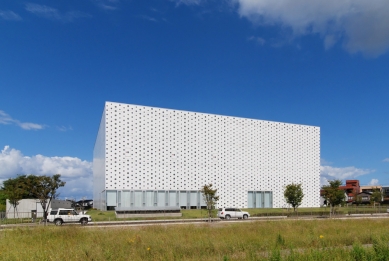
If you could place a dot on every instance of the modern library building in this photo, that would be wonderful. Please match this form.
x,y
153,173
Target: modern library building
x,y
154,158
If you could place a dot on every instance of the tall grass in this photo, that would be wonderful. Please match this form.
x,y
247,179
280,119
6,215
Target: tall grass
x,y
269,240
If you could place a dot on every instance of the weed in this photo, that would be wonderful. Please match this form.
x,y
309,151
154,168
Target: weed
x,y
280,240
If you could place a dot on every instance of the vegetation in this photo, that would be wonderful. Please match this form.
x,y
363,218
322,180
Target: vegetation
x,y
327,239
98,215
44,188
210,198
376,196
332,194
14,190
294,195
3,199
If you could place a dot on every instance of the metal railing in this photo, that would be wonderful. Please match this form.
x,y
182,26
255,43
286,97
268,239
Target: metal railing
x,y
10,217
325,211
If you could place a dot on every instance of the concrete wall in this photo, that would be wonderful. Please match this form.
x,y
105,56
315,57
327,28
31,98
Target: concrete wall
x,y
152,149
23,210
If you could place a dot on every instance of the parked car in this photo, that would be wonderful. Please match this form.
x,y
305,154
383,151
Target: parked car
x,y
65,215
227,213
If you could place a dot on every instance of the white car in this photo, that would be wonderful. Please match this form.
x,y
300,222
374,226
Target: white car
x,y
67,215
227,213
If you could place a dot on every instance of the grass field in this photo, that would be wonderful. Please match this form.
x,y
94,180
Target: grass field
x,y
198,213
324,239
98,215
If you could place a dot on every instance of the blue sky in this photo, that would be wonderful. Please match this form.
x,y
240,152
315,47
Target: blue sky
x,y
321,63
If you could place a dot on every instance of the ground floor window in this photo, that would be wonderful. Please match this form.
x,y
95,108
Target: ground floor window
x,y
260,199
183,199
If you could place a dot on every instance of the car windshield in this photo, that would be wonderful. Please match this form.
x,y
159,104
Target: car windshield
x,y
75,213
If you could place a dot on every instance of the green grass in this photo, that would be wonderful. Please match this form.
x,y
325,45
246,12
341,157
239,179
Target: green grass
x,y
266,240
98,215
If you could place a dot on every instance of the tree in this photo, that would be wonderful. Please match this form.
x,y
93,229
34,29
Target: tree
x,y
14,190
357,199
294,195
44,188
376,196
332,194
3,199
210,198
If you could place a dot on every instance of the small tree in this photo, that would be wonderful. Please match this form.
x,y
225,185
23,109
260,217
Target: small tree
x,y
44,188
14,189
210,198
376,196
294,195
3,199
332,194
356,198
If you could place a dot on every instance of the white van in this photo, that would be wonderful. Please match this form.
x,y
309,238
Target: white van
x,y
227,213
67,215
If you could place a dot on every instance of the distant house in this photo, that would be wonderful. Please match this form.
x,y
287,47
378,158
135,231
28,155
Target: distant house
x,y
385,193
352,188
363,198
85,204
370,188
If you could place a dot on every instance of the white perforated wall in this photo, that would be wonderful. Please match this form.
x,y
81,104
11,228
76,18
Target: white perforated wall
x,y
150,148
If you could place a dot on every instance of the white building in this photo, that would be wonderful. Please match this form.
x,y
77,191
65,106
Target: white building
x,y
26,207
147,157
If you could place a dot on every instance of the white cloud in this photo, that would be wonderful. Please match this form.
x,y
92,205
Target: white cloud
x,y
362,25
107,7
64,128
6,119
54,14
373,182
330,173
148,18
43,10
258,40
9,15
386,160
188,2
76,172
324,162
107,4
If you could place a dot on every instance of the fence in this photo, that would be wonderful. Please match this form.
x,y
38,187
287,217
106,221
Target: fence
x,y
17,214
323,211
20,217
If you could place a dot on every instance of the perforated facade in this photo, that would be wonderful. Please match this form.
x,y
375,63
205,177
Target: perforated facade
x,y
147,156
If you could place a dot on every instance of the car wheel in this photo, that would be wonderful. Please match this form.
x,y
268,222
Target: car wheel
x,y
245,217
58,222
84,221
228,216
